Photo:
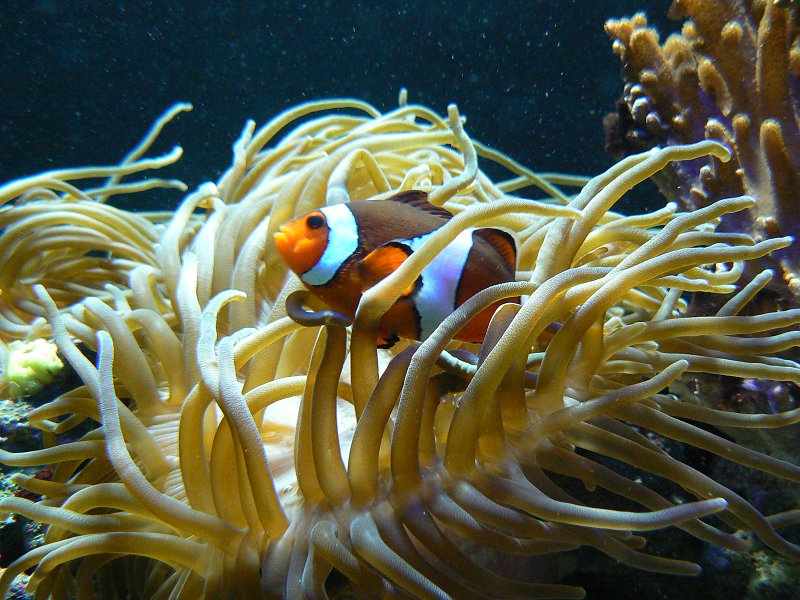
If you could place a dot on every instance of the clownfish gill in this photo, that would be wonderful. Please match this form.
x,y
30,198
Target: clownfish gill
x,y
342,250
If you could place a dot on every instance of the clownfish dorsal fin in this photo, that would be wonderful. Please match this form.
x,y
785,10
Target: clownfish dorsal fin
x,y
419,199
382,262
502,242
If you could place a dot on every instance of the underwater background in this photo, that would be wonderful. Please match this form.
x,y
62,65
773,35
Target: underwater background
x,y
81,82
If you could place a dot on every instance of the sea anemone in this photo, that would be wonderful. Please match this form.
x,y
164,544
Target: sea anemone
x,y
251,442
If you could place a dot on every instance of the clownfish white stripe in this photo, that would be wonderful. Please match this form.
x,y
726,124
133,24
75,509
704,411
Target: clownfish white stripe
x,y
342,242
436,298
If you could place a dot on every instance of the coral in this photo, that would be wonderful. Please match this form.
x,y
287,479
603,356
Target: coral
x,y
17,536
247,442
732,75
15,431
757,576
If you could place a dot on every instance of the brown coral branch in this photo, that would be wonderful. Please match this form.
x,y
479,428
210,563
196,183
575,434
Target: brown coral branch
x,y
731,75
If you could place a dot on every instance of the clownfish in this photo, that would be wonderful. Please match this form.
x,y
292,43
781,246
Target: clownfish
x,y
340,251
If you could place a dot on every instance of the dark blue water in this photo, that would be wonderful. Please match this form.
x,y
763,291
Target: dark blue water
x,y
81,81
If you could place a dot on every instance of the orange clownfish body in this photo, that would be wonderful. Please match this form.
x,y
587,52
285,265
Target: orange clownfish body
x,y
339,251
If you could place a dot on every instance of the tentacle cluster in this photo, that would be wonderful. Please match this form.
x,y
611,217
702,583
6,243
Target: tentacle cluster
x,y
250,442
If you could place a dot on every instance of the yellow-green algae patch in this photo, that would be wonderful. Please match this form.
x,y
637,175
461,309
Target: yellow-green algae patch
x,y
29,366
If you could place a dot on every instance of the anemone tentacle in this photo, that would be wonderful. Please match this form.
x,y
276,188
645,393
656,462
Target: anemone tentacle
x,y
250,441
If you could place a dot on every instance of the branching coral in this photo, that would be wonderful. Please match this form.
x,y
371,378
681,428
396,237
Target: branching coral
x,y
250,443
732,75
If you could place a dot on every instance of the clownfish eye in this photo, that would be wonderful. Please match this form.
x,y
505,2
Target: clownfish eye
x,y
315,221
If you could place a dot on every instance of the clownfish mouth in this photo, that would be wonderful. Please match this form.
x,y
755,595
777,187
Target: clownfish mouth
x,y
298,251
290,245
282,243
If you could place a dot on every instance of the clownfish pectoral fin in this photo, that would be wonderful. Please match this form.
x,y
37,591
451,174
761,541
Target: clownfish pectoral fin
x,y
419,200
502,242
382,262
